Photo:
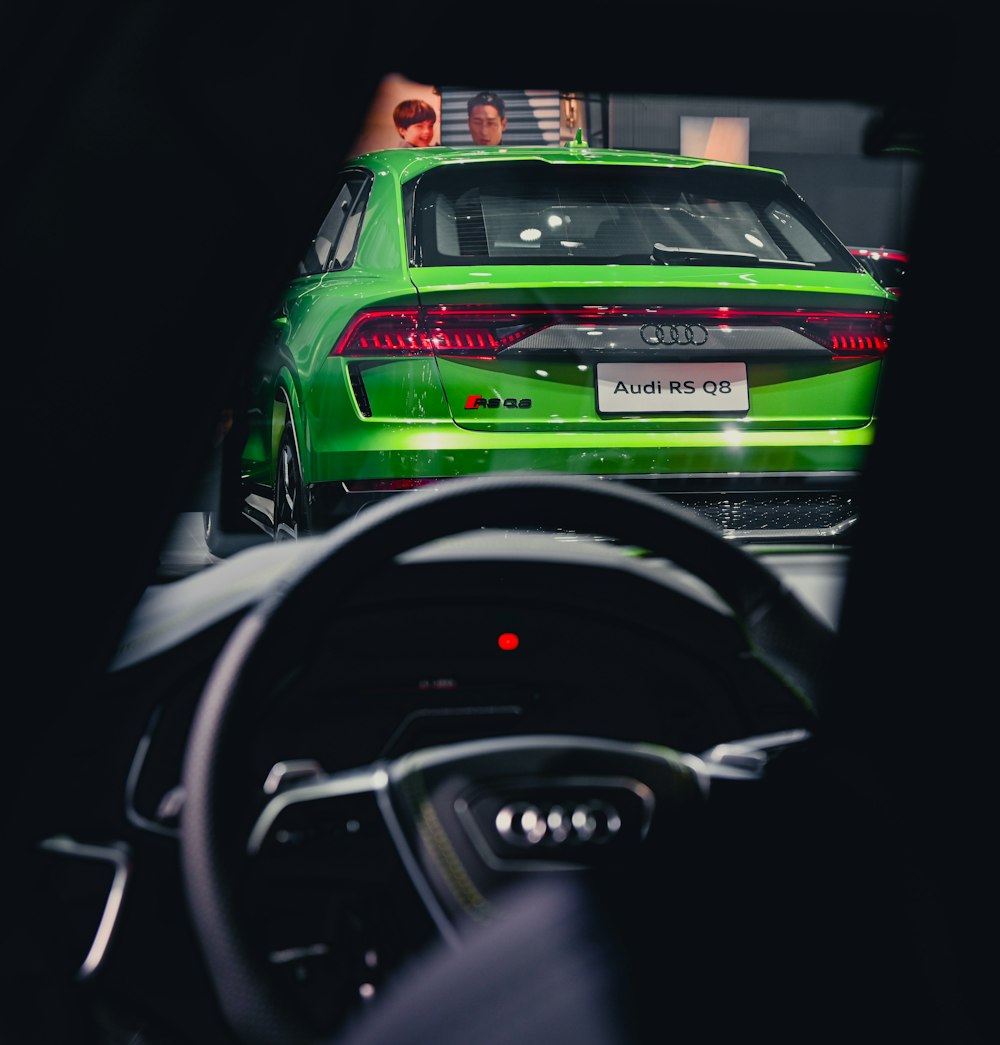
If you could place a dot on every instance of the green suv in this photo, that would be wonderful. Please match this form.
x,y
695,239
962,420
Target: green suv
x,y
686,324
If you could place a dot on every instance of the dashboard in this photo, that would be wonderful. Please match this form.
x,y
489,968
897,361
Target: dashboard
x,y
484,634
478,635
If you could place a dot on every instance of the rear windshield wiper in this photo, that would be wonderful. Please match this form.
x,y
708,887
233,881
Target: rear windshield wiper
x,y
694,256
663,255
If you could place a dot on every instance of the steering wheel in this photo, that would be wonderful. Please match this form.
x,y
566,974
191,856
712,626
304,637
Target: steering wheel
x,y
468,816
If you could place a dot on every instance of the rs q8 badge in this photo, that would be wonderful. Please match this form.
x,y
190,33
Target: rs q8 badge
x,y
475,402
672,388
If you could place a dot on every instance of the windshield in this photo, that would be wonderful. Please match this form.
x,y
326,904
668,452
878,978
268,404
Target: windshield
x,y
534,212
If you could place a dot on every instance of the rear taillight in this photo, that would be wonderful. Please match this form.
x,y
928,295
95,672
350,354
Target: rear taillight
x,y
486,332
476,333
849,334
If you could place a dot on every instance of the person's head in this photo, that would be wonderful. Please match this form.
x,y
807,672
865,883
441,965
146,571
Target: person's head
x,y
415,120
487,118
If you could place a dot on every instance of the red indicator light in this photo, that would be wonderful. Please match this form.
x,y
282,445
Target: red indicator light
x,y
508,641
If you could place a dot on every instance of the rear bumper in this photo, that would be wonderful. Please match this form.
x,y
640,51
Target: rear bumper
x,y
814,507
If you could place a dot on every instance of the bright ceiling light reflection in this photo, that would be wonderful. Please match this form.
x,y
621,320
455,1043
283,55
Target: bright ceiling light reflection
x,y
530,235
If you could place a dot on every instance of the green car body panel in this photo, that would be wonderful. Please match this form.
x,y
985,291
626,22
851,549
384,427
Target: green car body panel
x,y
397,417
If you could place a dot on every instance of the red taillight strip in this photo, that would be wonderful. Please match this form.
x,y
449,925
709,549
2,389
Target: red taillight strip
x,y
857,343
485,331
477,332
395,331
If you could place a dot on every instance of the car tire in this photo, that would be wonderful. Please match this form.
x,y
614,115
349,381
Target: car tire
x,y
289,493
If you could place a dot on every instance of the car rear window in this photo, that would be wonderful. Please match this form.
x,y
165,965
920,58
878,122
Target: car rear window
x,y
541,213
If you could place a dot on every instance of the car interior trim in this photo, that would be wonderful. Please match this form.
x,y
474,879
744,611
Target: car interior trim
x,y
136,818
117,854
373,780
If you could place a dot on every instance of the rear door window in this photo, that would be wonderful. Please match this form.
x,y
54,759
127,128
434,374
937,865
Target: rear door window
x,y
334,245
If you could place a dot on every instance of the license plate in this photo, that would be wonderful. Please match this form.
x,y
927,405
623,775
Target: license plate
x,y
672,388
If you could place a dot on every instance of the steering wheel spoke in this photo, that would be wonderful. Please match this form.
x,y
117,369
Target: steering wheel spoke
x,y
477,815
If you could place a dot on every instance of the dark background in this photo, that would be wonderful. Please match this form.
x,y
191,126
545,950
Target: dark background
x,y
819,144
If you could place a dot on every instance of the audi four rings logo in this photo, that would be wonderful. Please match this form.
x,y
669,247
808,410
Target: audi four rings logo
x,y
673,333
527,825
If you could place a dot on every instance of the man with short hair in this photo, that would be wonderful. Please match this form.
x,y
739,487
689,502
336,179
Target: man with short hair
x,y
487,118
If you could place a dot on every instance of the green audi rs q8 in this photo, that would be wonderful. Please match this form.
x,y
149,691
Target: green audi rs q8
x,y
685,324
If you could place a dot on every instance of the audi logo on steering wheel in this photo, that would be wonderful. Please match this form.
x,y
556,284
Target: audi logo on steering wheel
x,y
673,333
551,825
